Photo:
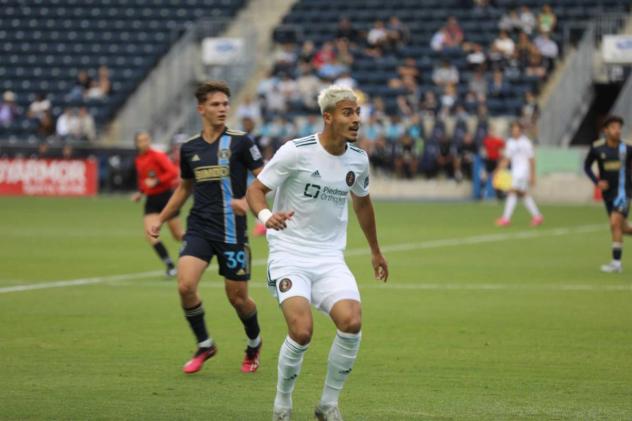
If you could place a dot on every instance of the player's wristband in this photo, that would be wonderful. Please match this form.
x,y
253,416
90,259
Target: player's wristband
x,y
264,215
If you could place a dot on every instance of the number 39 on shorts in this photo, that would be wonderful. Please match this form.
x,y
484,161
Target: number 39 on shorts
x,y
236,259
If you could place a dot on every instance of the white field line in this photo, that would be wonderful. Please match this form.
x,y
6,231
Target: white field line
x,y
431,244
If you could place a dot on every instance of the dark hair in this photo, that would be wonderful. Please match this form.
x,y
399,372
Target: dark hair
x,y
210,87
612,119
516,123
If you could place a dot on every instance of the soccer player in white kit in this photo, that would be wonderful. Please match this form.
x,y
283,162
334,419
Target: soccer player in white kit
x,y
307,231
519,152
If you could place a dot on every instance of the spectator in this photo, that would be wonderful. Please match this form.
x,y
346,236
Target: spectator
x,y
527,19
285,58
308,86
249,108
80,87
546,19
398,33
68,125
406,160
104,80
530,112
504,44
325,54
478,84
8,109
409,69
476,57
307,53
497,86
437,43
309,126
394,128
377,36
510,21
429,105
289,89
331,69
523,49
95,92
453,34
536,66
547,47
45,126
86,127
346,80
445,74
39,106
347,31
448,98
343,53
67,152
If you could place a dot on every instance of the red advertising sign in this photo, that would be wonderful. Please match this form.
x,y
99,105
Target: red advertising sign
x,y
48,177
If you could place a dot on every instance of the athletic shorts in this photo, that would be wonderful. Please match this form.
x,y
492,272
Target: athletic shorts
x,y
610,207
157,202
323,281
233,259
520,183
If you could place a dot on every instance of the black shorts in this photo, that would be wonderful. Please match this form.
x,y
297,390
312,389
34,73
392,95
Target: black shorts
x,y
233,259
610,207
157,202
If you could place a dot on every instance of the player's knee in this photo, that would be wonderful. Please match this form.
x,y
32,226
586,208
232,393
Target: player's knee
x,y
302,335
350,324
238,301
185,288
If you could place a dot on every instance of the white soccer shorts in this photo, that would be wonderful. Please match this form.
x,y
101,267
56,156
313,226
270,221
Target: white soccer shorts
x,y
322,280
520,183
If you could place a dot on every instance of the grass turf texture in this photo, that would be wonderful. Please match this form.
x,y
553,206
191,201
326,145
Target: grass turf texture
x,y
492,328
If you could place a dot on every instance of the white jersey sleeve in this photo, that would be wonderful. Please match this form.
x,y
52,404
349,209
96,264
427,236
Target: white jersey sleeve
x,y
280,166
361,187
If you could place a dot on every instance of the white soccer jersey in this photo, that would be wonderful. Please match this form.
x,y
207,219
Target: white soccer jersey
x,y
315,185
519,152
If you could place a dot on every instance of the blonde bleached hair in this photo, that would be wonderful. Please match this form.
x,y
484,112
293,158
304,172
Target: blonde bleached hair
x,y
332,95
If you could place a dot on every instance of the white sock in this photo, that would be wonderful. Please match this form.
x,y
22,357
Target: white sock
x,y
510,205
529,203
253,343
342,355
290,361
206,344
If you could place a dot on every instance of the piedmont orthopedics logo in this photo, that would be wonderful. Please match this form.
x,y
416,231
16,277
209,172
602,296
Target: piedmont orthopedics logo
x,y
336,196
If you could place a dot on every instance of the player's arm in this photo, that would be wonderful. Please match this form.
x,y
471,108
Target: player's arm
x,y
136,196
588,164
179,196
169,170
256,197
363,208
532,171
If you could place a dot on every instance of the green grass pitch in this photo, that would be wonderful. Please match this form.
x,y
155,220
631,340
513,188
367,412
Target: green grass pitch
x,y
475,323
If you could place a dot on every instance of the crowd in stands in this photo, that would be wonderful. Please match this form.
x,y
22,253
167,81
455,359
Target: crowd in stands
x,y
75,123
436,121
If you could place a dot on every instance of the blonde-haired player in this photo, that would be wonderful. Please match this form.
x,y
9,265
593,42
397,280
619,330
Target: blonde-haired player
x,y
519,152
313,177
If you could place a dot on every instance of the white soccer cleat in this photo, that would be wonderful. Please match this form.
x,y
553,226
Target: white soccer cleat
x,y
281,414
327,413
612,267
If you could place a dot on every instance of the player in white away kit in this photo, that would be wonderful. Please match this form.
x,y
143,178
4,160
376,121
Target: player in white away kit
x,y
519,152
313,177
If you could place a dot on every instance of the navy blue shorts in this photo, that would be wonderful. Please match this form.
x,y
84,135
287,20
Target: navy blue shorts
x,y
610,207
233,259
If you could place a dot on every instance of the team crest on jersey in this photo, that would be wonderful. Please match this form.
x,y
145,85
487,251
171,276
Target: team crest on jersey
x,y
285,285
224,154
350,178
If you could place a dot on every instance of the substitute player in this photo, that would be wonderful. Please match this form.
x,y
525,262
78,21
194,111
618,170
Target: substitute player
x,y
614,160
214,168
313,177
519,153
156,176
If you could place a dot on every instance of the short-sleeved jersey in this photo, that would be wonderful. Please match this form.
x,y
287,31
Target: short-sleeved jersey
x,y
614,163
315,185
219,171
519,152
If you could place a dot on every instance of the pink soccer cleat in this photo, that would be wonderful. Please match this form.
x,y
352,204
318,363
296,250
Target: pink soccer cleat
x,y
537,220
503,222
251,360
195,364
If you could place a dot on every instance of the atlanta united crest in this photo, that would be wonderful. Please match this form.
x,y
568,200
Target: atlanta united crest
x,y
350,178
